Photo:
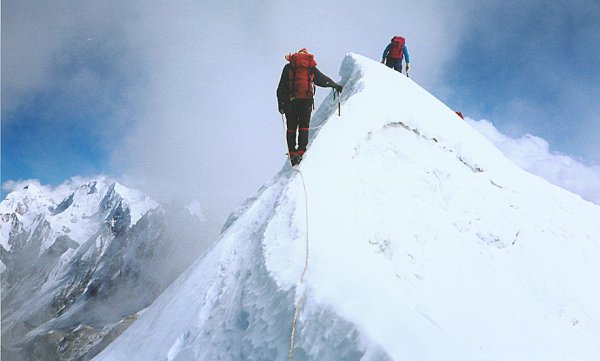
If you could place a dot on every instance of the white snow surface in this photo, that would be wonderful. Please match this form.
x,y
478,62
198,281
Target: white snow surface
x,y
421,242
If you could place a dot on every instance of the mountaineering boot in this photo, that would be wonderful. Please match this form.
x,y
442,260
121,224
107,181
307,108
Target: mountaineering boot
x,y
295,158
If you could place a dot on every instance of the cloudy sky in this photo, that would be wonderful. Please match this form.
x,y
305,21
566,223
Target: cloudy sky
x,y
178,98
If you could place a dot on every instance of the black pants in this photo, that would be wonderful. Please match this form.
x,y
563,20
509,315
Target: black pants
x,y
298,122
395,64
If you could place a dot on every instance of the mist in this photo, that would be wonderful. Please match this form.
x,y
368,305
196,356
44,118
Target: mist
x,y
209,128
534,154
178,99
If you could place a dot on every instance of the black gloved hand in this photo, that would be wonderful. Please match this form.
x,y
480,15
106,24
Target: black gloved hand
x,y
339,88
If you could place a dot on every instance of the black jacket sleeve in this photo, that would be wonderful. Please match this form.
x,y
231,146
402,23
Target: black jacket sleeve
x,y
322,80
284,87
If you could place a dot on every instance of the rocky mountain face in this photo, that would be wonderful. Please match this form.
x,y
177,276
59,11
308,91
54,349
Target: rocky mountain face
x,y
76,272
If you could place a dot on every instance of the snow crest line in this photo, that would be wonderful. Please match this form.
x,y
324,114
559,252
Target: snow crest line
x,y
299,303
475,168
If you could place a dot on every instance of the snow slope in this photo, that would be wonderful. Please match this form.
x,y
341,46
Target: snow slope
x,y
403,235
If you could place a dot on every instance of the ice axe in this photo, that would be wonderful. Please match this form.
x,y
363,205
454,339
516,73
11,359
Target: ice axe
x,y
339,101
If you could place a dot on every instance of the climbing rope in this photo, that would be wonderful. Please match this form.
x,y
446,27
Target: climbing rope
x,y
306,216
301,299
293,335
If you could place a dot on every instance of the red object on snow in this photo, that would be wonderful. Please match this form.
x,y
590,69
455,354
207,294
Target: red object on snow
x,y
460,115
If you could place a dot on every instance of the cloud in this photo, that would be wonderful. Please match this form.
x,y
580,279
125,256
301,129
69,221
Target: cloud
x,y
534,61
70,85
183,94
533,154
75,48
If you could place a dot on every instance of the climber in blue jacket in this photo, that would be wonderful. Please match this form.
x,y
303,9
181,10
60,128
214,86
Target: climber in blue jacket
x,y
395,52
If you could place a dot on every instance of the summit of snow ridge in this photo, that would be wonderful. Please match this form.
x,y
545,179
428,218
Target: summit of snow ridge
x,y
139,203
406,234
29,197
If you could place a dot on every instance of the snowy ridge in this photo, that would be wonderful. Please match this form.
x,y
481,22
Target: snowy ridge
x,y
424,242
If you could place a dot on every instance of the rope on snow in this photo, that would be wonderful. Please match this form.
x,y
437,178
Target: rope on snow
x,y
301,300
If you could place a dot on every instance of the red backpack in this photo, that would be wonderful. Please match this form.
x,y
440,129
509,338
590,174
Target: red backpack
x,y
397,49
301,75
